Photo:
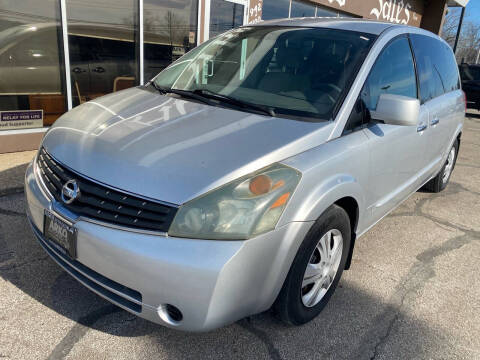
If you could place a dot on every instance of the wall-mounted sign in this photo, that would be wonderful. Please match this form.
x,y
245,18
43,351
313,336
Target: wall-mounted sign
x,y
255,11
395,11
21,119
407,12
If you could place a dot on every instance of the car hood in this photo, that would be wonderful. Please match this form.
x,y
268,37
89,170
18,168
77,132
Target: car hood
x,y
169,149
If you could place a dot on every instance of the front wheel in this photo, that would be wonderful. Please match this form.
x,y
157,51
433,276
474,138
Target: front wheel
x,y
440,182
316,269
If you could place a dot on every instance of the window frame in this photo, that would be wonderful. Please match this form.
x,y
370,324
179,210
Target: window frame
x,y
346,129
444,48
448,49
415,65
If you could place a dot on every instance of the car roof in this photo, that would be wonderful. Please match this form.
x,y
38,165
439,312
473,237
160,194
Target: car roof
x,y
353,24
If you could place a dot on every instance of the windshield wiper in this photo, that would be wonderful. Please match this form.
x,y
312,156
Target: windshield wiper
x,y
230,100
206,96
183,93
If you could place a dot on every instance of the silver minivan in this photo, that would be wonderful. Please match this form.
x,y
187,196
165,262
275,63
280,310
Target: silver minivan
x,y
240,177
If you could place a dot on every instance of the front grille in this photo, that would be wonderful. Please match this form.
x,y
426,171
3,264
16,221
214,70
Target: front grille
x,y
102,203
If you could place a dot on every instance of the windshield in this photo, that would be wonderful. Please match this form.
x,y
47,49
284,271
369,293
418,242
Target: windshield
x,y
297,72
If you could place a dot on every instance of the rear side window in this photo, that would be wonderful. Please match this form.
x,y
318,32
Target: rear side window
x,y
449,69
393,73
437,69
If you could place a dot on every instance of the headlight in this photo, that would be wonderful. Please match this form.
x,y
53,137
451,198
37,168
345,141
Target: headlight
x,y
238,210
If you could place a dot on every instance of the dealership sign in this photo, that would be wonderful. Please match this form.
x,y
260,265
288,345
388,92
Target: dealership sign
x,y
396,11
255,11
393,11
21,119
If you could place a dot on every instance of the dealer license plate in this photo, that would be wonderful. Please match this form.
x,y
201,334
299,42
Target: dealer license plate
x,y
62,234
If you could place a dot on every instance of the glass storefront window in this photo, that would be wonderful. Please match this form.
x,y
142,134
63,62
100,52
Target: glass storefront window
x,y
326,12
302,9
102,44
322,12
170,31
104,49
224,15
275,9
32,93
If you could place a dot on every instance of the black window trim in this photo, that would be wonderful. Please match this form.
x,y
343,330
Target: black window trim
x,y
415,65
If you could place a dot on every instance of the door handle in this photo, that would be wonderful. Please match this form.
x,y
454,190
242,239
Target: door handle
x,y
435,121
421,127
78,70
99,69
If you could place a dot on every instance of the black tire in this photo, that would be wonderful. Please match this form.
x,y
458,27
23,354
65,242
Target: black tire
x,y
438,183
289,306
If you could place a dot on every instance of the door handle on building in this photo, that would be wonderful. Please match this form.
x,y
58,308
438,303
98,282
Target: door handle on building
x,y
434,121
78,70
421,127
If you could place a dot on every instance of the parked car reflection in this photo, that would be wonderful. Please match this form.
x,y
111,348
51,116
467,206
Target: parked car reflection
x,y
103,59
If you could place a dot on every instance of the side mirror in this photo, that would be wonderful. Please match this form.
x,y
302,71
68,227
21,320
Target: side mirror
x,y
397,110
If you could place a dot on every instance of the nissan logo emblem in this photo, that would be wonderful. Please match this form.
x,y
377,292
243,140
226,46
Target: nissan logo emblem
x,y
70,191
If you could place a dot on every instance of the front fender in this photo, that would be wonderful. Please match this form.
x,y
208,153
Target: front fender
x,y
323,195
330,172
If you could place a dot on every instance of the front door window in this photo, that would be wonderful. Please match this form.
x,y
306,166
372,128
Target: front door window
x,y
393,73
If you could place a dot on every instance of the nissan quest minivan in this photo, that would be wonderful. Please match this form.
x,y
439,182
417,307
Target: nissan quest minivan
x,y
240,177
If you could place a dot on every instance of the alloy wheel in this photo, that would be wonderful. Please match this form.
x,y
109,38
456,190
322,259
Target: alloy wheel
x,y
322,267
449,165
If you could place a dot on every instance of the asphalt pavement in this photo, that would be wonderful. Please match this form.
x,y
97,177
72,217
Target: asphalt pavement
x,y
413,291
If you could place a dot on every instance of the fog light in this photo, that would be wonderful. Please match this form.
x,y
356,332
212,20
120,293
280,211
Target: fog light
x,y
170,314
174,313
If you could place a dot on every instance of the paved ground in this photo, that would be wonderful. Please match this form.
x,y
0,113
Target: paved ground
x,y
413,291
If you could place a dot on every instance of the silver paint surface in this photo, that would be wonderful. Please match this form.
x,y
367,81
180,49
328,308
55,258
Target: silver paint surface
x,y
170,149
174,150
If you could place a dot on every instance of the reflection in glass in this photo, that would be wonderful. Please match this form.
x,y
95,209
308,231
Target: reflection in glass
x,y
295,72
321,12
275,9
278,9
302,9
326,12
170,31
102,46
30,60
224,16
393,73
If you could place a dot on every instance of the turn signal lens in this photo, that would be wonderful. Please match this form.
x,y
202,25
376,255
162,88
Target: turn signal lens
x,y
260,185
282,200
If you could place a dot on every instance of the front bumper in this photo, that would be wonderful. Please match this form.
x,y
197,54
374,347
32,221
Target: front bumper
x,y
211,282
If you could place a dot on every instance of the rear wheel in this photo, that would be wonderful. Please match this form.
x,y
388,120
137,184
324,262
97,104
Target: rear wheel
x,y
440,182
316,269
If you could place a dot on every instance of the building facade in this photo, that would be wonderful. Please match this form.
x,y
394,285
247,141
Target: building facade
x,y
57,54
